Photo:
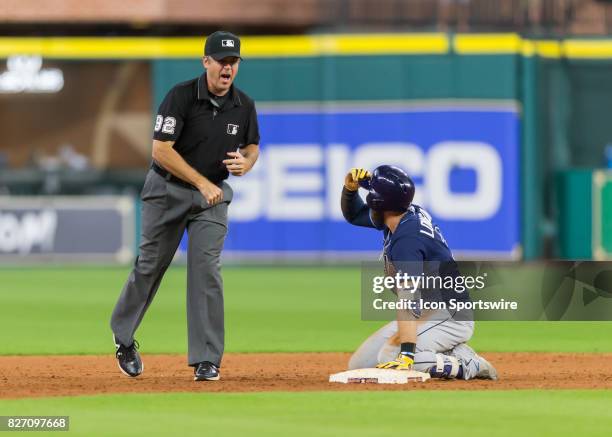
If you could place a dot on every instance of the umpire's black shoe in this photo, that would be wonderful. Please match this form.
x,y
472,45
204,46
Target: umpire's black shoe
x,y
206,371
128,359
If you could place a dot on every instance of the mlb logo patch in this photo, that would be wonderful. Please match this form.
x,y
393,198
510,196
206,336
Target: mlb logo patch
x,y
232,129
227,43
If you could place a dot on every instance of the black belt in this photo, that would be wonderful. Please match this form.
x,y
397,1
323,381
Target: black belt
x,y
170,177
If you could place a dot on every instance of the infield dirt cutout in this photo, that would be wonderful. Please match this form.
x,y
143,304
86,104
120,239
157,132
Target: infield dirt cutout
x,y
42,376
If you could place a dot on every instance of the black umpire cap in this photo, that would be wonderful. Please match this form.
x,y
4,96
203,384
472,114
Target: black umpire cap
x,y
222,44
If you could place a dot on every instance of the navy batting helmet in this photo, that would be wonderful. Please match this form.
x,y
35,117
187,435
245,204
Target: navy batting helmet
x,y
390,189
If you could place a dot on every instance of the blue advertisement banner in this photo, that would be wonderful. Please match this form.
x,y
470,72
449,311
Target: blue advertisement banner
x,y
464,161
42,229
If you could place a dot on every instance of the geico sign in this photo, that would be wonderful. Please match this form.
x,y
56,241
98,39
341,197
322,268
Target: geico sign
x,y
21,233
304,181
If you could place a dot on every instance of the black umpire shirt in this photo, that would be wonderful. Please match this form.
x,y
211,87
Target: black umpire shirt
x,y
205,127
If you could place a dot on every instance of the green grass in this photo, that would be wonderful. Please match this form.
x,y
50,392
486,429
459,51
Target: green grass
x,y
500,413
66,311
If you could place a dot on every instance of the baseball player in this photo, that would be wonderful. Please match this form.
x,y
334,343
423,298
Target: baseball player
x,y
419,340
205,129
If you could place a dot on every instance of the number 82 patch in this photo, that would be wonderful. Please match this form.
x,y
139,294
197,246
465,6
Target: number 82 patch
x,y
166,125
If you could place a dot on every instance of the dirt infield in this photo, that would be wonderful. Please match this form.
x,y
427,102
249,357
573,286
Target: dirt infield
x,y
37,376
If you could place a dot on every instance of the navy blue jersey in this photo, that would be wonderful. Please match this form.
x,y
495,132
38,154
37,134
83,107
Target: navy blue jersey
x,y
417,245
416,238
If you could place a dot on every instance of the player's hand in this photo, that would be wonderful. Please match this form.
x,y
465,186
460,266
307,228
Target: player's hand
x,y
211,192
236,164
402,362
353,177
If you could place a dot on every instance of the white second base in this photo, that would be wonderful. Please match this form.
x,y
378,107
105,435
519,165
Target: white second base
x,y
378,376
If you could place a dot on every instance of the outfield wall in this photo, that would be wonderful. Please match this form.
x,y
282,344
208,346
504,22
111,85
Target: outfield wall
x,y
561,90
452,121
535,106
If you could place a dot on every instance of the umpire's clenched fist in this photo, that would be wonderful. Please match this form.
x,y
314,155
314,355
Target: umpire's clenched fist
x,y
212,193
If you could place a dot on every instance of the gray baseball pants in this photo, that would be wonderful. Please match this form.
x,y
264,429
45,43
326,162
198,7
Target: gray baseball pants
x,y
440,335
167,210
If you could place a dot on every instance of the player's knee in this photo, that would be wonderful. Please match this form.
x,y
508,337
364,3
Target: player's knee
x,y
360,360
355,362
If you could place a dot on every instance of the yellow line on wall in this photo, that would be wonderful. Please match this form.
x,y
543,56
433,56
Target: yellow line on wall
x,y
91,47
309,46
254,47
373,44
549,49
500,44
277,46
487,43
588,49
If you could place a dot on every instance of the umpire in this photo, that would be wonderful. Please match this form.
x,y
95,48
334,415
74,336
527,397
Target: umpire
x,y
205,129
